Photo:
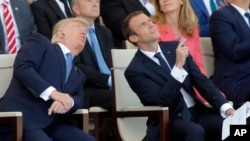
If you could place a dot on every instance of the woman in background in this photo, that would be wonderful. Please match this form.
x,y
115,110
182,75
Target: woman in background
x,y
175,19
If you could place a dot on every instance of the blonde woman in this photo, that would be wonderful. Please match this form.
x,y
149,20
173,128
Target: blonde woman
x,y
175,19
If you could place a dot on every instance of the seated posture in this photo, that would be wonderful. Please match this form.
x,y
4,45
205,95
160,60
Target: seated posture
x,y
164,74
46,87
229,28
95,59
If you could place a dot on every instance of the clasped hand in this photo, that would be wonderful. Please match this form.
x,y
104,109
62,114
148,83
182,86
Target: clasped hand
x,y
62,103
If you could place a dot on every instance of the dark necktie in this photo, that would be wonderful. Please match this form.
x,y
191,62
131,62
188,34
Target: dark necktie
x,y
248,17
212,5
163,63
67,10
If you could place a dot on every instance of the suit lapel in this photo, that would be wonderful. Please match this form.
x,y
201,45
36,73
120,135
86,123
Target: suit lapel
x,y
88,48
54,6
238,17
100,37
149,63
62,63
202,6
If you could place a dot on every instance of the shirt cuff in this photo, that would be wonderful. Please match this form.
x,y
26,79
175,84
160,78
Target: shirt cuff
x,y
224,108
45,95
179,74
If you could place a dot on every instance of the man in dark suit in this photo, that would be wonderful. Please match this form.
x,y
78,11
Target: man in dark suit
x,y
203,10
98,83
230,32
47,13
168,80
23,23
113,13
43,89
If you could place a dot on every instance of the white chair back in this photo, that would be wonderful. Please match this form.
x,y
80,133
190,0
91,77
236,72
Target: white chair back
x,y
6,71
132,128
208,55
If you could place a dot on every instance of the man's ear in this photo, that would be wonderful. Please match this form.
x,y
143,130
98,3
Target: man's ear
x,y
75,10
60,34
133,38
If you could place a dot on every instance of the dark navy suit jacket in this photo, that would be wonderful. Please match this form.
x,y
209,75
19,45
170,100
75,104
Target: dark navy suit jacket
x,y
155,87
39,65
230,37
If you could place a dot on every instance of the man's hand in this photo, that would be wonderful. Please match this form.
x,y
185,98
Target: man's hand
x,y
63,98
57,108
181,54
230,112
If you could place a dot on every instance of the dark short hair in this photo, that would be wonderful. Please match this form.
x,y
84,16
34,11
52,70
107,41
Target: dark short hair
x,y
126,30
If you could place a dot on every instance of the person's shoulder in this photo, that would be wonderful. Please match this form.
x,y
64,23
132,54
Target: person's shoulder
x,y
172,44
39,38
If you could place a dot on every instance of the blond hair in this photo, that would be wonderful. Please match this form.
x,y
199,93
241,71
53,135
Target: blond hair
x,y
62,24
187,19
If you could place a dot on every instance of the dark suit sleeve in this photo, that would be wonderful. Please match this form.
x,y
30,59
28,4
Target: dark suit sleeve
x,y
27,64
230,33
204,85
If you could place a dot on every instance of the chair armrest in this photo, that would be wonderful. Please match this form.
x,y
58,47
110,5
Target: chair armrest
x,y
162,113
15,119
97,109
10,114
142,111
81,116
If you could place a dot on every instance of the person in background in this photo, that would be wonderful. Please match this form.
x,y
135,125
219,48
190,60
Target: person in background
x,y
230,32
95,59
113,13
203,9
23,24
164,74
48,12
175,19
46,87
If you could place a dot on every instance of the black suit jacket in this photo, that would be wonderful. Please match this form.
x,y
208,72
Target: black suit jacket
x,y
114,12
46,14
230,37
155,87
87,62
38,65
